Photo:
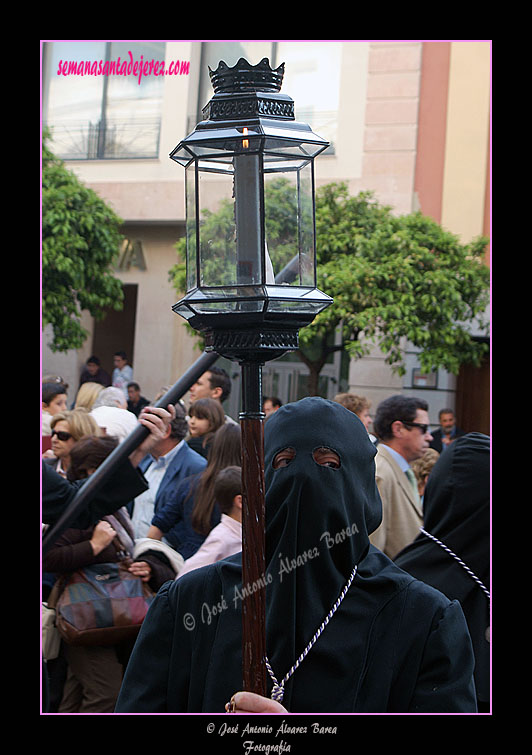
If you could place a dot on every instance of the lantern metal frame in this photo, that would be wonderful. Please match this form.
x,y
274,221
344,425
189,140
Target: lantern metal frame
x,y
247,115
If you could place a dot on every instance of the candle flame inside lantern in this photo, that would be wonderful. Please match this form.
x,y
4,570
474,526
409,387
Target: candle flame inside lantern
x,y
245,142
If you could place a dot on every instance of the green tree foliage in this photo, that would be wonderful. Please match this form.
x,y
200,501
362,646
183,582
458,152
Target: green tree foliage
x,y
80,241
393,279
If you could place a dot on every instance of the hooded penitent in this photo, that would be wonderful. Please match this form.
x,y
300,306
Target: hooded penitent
x,y
393,645
318,519
457,512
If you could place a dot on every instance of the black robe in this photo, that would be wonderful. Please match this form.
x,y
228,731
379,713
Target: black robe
x,y
456,508
126,482
394,644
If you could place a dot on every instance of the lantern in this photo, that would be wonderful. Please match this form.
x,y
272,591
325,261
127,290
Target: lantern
x,y
251,253
250,270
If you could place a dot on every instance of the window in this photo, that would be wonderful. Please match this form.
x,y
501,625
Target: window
x,y
93,116
311,78
230,52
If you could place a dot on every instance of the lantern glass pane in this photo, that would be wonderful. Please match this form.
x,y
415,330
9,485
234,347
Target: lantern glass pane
x,y
306,226
301,305
182,156
229,198
217,231
220,142
183,310
289,223
293,141
190,191
229,306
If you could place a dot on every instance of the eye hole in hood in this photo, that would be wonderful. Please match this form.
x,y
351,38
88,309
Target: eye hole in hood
x,y
337,495
326,457
322,455
283,457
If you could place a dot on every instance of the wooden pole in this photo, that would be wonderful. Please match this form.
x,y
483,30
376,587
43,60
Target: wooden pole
x,y
253,532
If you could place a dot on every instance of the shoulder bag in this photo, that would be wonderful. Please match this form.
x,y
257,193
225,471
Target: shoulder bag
x,y
102,604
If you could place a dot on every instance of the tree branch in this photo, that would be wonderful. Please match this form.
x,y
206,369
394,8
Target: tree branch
x,y
331,349
310,364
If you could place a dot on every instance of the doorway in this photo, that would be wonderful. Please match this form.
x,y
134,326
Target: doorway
x,y
116,331
473,394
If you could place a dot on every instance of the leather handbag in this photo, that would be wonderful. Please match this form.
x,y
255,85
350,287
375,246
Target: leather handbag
x,y
102,604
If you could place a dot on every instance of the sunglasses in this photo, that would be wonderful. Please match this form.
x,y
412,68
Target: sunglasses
x,y
61,434
423,428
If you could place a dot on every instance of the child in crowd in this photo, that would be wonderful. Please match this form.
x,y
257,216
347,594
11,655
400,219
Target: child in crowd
x,y
54,400
185,520
226,538
206,415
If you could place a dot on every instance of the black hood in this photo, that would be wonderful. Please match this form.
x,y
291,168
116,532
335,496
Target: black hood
x,y
318,519
305,500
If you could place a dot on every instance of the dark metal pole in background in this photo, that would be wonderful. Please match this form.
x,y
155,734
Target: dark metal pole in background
x,y
253,531
125,449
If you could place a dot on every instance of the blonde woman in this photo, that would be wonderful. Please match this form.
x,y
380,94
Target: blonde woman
x,y
87,395
422,467
67,428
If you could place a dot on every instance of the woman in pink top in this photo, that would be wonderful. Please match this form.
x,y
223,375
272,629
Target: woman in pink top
x,y
226,538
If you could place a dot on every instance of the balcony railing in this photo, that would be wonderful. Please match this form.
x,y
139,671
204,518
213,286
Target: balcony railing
x,y
106,140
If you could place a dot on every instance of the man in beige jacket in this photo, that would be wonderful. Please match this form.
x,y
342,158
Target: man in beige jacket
x,y
402,426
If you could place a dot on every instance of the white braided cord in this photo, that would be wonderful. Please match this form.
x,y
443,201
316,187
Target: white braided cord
x,y
464,566
278,687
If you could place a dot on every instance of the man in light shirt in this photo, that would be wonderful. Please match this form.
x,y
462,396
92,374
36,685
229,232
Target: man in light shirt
x,y
402,426
122,373
226,538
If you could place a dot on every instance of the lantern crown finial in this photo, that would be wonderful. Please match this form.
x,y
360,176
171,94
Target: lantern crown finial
x,y
244,77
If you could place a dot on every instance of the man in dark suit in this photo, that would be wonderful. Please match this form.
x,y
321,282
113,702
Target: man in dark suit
x,y
447,432
169,462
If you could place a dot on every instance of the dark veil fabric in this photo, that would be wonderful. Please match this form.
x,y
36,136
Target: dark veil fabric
x,y
394,644
457,511
317,519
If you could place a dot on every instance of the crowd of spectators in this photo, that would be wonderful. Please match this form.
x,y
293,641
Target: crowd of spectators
x,y
188,513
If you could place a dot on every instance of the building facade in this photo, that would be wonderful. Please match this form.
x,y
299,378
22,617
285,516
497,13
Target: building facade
x,y
409,120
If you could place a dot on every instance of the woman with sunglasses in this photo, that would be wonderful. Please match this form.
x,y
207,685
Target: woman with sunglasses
x,y
68,427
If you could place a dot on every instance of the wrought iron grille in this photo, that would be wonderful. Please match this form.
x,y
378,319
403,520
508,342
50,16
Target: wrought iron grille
x,y
106,140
